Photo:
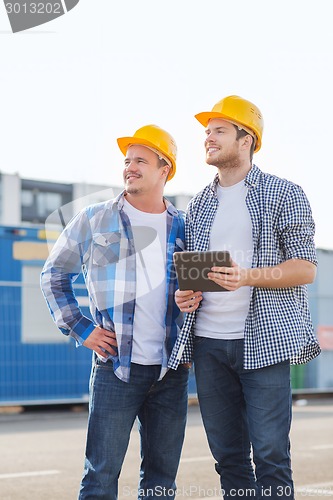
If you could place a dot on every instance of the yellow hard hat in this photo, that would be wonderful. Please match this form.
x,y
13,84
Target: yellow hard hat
x,y
238,111
154,138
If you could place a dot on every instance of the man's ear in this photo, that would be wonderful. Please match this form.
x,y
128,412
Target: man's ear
x,y
247,141
166,170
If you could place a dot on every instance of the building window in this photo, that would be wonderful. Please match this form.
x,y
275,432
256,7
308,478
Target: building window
x,y
27,198
39,199
48,203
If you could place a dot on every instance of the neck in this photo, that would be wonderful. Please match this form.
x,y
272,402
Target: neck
x,y
231,176
149,204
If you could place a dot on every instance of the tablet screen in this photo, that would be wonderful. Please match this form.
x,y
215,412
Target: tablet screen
x,y
192,269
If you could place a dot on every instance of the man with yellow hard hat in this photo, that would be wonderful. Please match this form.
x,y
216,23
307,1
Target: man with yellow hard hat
x,y
246,337
125,247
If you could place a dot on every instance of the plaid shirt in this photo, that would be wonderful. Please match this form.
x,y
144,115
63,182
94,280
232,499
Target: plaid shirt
x,y
99,241
278,325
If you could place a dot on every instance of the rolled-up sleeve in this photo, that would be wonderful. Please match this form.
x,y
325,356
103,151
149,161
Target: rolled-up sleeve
x,y
297,227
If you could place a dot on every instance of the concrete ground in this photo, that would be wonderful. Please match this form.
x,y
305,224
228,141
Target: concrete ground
x,y
41,454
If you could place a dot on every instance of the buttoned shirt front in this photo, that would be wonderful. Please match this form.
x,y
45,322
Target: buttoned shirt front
x,y
99,242
278,325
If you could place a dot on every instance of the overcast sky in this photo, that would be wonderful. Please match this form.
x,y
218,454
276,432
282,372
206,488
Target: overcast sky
x,y
70,87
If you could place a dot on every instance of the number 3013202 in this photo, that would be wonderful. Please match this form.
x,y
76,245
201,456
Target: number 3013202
x,y
33,8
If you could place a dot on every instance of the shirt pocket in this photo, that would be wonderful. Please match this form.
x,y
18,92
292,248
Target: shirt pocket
x,y
106,248
269,250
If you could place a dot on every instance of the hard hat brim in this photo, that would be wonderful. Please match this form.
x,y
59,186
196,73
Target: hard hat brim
x,y
205,116
125,142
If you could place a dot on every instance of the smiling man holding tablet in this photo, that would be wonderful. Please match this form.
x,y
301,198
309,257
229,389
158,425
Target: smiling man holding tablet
x,y
245,340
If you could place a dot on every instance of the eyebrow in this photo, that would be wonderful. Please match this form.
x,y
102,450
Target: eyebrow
x,y
217,128
136,158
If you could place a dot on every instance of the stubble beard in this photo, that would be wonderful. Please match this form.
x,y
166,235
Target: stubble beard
x,y
225,162
133,190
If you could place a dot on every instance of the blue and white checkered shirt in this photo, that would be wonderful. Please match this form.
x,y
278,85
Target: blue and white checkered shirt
x,y
278,325
99,242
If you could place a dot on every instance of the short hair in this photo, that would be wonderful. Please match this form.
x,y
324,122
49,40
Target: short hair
x,y
162,162
242,133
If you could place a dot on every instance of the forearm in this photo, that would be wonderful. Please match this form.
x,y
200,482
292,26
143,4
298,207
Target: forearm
x,y
293,272
290,273
66,313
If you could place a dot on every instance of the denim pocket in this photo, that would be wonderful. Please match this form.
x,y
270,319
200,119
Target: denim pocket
x,y
199,340
106,365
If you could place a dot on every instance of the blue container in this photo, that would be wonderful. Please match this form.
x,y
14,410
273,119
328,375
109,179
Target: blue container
x,y
38,364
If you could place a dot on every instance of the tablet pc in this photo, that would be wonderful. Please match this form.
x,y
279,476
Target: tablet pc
x,y
192,269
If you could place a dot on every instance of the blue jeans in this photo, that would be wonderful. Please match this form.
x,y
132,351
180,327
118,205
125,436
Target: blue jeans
x,y
241,408
161,408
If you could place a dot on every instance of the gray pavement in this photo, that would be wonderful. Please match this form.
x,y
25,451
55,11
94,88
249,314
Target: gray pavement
x,y
41,454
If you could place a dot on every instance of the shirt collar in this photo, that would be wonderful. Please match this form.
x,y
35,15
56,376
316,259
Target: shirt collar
x,y
251,179
118,202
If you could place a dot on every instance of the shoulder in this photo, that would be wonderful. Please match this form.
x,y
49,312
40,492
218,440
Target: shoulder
x,y
280,186
91,215
200,198
96,208
179,216
173,211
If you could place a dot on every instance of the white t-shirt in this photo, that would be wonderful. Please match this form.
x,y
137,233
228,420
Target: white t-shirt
x,y
222,315
149,231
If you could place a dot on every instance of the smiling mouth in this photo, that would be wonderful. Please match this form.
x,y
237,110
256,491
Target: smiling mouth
x,y
132,176
211,150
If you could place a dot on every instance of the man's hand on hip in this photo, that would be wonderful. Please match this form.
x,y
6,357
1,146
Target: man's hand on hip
x,y
102,341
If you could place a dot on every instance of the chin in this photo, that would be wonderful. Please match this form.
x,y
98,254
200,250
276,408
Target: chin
x,y
211,161
132,190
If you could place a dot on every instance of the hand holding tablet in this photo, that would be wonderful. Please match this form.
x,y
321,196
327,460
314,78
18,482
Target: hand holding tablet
x,y
192,269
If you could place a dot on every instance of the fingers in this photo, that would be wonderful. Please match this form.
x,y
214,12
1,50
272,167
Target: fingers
x,y
183,293
188,301
223,270
226,277
181,296
102,341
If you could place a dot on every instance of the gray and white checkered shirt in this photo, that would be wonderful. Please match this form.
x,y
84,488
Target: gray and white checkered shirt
x,y
278,325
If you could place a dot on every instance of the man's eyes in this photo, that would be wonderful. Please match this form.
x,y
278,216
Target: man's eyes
x,y
218,131
139,160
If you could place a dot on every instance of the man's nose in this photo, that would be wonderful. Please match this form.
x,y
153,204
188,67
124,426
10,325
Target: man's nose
x,y
130,166
209,139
